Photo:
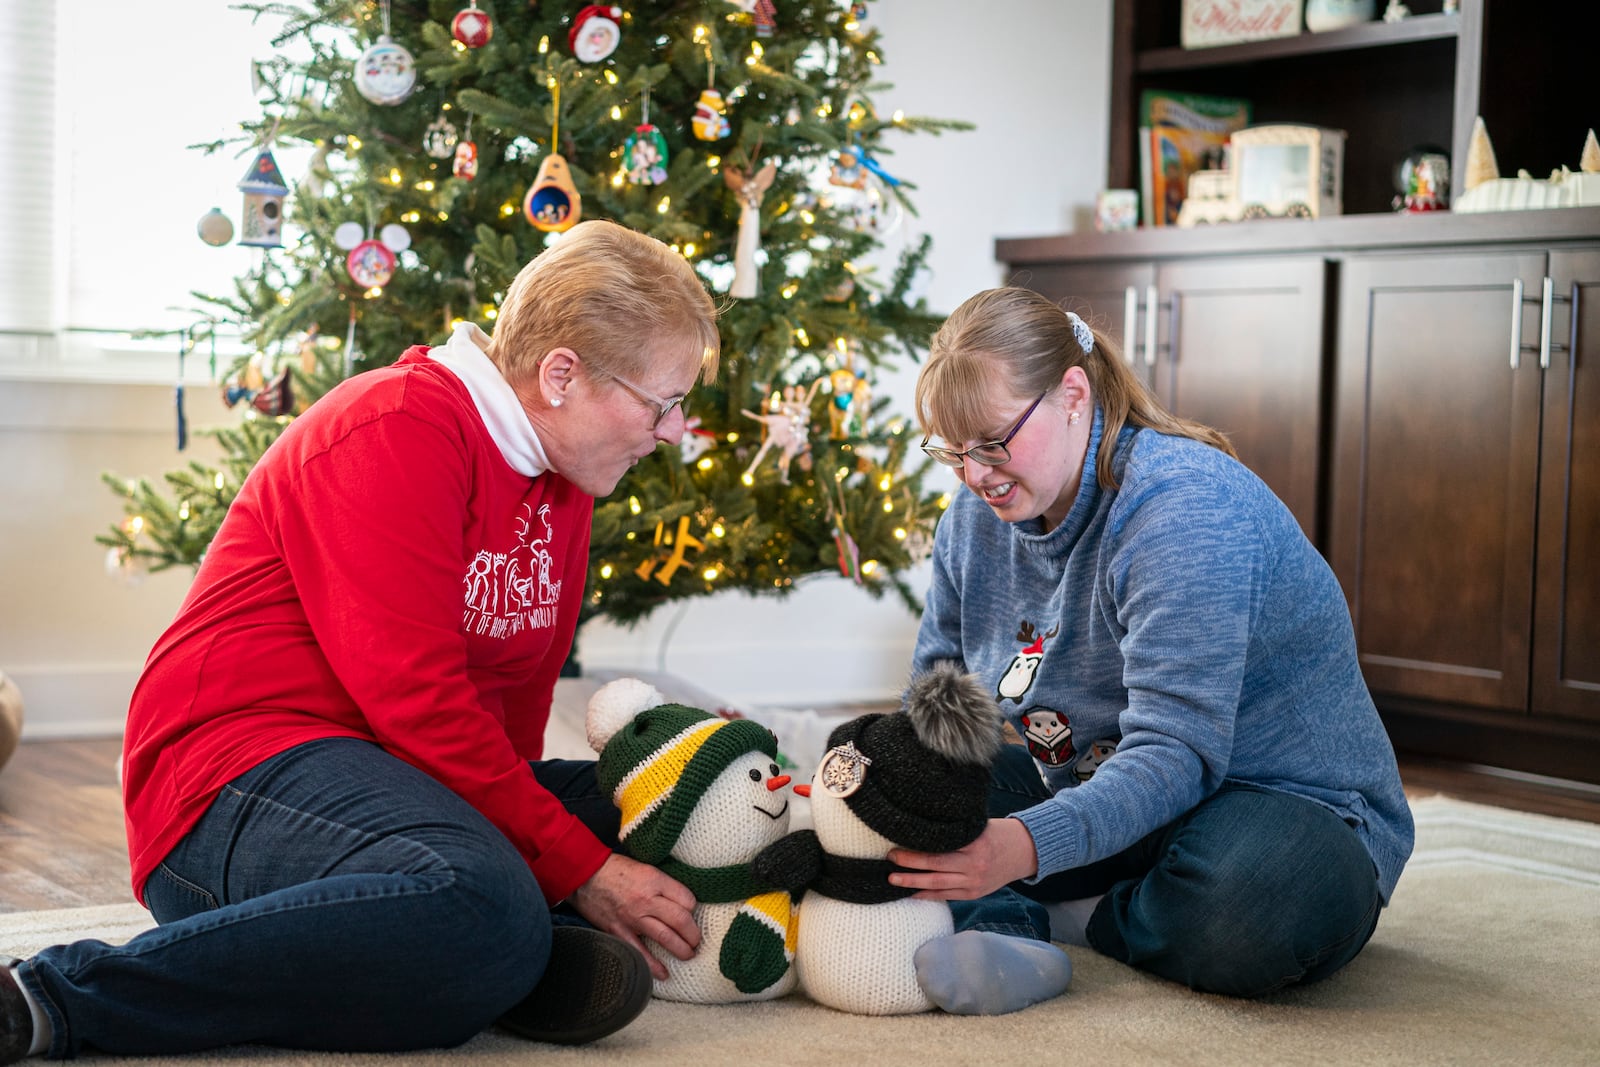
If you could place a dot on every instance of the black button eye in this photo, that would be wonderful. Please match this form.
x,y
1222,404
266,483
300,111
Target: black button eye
x,y
755,775
773,767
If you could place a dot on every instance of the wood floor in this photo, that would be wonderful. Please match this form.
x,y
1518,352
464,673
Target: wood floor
x,y
62,843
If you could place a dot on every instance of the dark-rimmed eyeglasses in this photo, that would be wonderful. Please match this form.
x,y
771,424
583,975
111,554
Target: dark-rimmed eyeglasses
x,y
662,405
989,453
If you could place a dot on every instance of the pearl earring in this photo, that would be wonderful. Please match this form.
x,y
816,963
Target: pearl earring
x,y
1073,417
555,402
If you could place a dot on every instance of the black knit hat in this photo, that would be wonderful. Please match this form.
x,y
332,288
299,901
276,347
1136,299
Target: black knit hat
x,y
910,793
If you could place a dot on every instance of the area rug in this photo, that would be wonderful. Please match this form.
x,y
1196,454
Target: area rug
x,y
1489,954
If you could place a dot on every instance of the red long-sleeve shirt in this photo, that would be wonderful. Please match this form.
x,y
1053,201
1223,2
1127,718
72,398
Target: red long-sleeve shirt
x,y
383,574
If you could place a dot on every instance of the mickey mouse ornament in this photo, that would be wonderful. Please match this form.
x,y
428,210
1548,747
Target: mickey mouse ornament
x,y
371,263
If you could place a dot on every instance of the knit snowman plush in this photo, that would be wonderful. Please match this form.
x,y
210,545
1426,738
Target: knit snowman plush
x,y
917,778
700,796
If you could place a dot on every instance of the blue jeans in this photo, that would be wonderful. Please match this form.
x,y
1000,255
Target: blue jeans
x,y
332,898
1251,891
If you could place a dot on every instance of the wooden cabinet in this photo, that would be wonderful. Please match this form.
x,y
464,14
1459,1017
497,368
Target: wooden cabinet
x,y
1566,592
1526,68
1235,344
1436,472
1239,347
1465,490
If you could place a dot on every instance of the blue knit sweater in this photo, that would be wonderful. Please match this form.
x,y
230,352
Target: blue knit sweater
x,y
1166,637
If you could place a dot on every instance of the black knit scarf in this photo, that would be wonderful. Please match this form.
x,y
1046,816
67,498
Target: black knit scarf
x,y
858,881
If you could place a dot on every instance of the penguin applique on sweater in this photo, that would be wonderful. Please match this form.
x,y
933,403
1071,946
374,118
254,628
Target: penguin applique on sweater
x,y
917,779
700,796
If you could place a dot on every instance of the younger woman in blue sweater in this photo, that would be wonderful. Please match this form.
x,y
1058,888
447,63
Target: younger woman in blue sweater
x,y
1205,791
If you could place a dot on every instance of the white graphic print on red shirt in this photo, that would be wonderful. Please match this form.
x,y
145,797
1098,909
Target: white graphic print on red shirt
x,y
509,592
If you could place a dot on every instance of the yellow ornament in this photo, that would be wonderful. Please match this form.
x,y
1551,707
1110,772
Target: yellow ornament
x,y
553,204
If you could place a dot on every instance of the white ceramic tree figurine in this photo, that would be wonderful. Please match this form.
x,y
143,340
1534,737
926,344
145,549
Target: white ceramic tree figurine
x,y
749,190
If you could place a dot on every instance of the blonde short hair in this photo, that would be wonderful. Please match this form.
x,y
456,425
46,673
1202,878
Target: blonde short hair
x,y
1013,341
614,296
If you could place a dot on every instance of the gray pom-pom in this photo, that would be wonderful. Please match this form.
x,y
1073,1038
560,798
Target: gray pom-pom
x,y
954,714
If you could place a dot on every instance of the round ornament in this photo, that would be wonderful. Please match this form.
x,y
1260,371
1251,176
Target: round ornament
x,y
596,32
386,73
439,140
843,770
215,228
370,264
645,155
472,27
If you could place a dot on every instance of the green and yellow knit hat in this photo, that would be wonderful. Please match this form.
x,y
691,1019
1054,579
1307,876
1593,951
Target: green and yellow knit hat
x,y
660,763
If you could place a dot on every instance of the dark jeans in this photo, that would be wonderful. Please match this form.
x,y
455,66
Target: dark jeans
x,y
1251,891
334,898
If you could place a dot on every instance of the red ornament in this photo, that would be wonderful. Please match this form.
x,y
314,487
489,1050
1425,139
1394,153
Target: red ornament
x,y
466,163
472,27
596,32
370,264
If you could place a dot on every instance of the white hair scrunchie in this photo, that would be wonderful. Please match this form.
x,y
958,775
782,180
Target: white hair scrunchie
x,y
1081,333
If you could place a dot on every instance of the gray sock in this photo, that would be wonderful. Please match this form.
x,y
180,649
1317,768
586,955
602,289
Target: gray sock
x,y
1069,918
979,972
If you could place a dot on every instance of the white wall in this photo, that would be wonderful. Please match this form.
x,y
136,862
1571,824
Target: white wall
x,y
1032,74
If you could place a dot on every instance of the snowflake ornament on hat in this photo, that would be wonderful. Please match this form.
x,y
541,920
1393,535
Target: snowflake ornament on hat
x,y
700,796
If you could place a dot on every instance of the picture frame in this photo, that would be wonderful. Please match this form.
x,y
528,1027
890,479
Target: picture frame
x,y
1211,23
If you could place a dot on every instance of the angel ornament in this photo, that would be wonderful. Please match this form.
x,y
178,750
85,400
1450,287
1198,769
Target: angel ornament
x,y
748,189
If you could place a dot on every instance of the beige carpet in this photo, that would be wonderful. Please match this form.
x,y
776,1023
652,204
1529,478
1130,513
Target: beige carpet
x,y
1490,954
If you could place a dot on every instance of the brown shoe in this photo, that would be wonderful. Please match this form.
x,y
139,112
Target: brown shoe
x,y
16,1021
594,985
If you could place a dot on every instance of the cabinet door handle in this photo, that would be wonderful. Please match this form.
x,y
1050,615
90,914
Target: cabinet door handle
x,y
1547,299
1549,305
1130,322
1151,305
1516,322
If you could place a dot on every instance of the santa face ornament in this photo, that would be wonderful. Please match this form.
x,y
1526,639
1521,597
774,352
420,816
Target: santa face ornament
x,y
596,32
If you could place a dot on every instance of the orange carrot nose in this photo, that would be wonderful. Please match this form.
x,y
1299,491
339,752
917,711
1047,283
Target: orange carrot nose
x,y
777,782
803,790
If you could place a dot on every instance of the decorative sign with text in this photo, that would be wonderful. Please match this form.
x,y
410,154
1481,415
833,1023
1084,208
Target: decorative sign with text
x,y
1208,23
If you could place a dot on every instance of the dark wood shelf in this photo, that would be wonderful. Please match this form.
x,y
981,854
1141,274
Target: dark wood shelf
x,y
1366,35
1345,233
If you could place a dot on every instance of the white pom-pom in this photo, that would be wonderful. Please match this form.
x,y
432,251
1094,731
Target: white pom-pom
x,y
614,705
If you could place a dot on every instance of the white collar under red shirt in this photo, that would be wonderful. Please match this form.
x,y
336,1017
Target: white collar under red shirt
x,y
498,406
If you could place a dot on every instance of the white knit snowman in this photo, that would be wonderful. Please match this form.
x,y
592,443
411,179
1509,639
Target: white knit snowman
x,y
917,779
700,796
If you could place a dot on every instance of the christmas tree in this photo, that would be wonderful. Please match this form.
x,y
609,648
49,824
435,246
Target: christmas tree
x,y
449,144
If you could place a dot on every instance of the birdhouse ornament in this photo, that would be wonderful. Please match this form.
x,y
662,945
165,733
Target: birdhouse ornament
x,y
699,797
553,204
261,224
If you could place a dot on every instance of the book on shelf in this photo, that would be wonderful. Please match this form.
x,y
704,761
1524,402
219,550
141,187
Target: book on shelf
x,y
1180,133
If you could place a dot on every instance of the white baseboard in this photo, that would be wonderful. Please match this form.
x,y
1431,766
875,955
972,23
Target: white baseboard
x,y
77,700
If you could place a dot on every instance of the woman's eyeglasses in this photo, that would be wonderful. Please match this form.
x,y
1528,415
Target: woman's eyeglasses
x,y
989,453
661,405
